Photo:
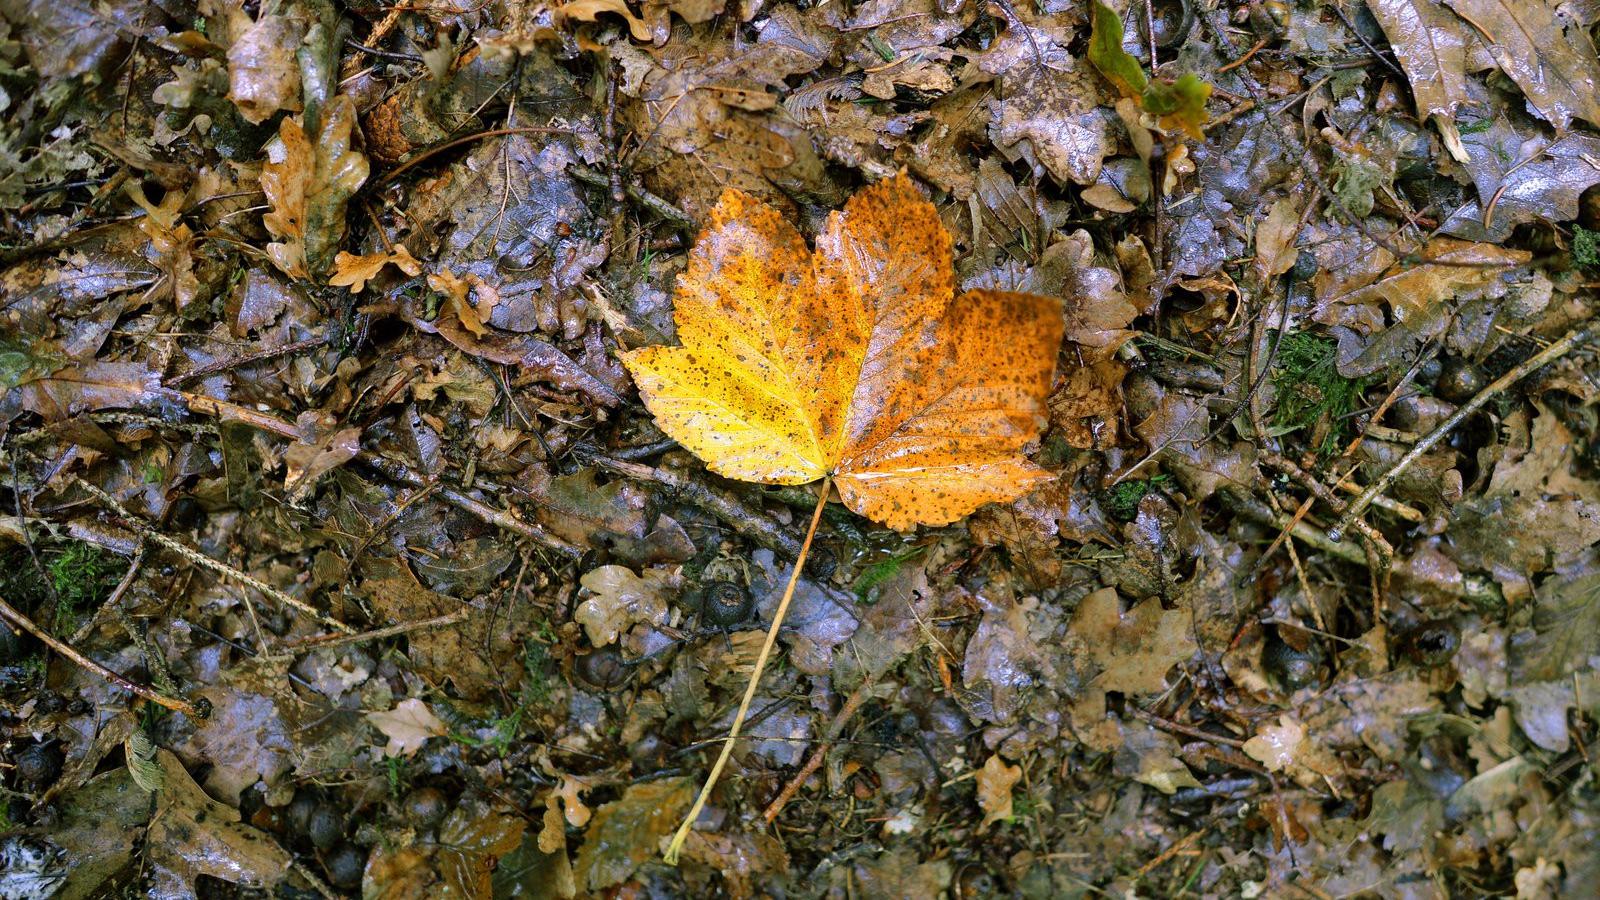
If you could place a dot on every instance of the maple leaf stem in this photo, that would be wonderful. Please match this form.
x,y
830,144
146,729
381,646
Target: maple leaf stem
x,y
684,827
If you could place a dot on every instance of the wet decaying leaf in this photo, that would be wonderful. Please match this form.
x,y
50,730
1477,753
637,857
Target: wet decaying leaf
x,y
408,413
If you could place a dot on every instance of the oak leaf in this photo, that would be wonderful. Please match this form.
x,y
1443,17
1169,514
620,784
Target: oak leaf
x,y
857,361
353,272
308,180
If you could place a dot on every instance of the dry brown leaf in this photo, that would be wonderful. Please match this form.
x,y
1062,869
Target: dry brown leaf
x,y
995,781
590,10
408,726
353,272
263,76
1275,237
456,291
192,835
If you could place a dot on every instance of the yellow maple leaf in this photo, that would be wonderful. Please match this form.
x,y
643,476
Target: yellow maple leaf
x,y
857,362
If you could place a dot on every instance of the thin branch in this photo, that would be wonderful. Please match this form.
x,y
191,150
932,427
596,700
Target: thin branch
x,y
191,710
1574,338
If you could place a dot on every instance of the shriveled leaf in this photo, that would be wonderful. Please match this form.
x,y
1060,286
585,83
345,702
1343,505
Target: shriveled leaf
x,y
855,361
590,10
995,781
408,726
1556,67
619,599
353,272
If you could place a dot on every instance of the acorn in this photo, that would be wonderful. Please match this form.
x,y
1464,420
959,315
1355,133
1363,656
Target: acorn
x,y
38,764
1431,644
724,604
821,564
298,814
345,865
426,807
603,669
1459,380
1293,669
325,826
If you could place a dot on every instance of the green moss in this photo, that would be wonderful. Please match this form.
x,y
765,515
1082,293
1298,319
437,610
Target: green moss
x,y
1311,392
68,581
1121,502
1586,247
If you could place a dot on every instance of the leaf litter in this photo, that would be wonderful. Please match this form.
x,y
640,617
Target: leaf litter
x,y
408,415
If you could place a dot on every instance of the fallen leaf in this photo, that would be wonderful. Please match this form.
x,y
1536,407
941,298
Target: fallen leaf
x,y
1177,104
1431,44
1522,175
590,10
995,780
263,76
353,272
408,726
1133,649
456,291
1276,746
192,835
856,362
308,186
628,831
1556,67
619,599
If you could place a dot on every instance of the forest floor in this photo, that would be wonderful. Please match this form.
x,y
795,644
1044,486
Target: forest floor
x,y
341,558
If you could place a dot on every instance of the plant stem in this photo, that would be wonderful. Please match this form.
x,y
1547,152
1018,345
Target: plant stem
x,y
684,828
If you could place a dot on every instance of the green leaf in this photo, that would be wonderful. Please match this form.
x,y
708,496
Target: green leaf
x,y
1105,51
1179,104
1183,102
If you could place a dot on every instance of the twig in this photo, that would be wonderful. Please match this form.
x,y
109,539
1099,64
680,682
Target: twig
x,y
200,559
618,196
1185,730
223,365
112,601
1177,848
387,467
1544,357
323,642
1321,492
1349,449
658,205
674,848
851,705
191,710
736,515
